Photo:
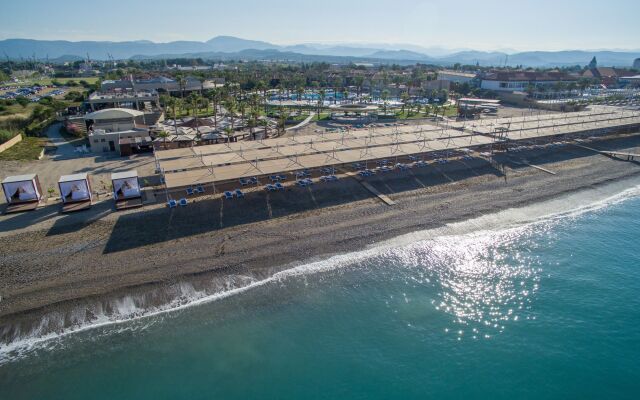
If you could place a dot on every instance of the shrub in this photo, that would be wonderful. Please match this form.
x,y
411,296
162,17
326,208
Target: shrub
x,y
5,136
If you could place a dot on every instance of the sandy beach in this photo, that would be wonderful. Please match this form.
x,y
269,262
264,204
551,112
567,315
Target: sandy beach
x,y
57,263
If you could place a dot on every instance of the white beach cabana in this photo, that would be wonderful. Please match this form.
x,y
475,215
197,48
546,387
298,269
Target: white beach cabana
x,y
75,192
126,189
22,192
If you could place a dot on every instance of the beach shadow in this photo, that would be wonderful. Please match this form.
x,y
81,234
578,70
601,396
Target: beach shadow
x,y
11,222
208,215
78,220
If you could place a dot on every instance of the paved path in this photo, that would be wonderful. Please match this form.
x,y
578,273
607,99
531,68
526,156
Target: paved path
x,y
303,123
64,149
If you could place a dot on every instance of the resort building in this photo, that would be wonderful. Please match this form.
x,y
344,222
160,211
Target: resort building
x,y
106,129
159,84
124,98
511,81
456,76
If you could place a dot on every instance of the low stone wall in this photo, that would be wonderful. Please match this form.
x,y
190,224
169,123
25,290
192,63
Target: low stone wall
x,y
8,144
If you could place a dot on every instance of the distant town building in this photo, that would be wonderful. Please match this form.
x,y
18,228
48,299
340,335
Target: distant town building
x,y
511,81
593,64
607,75
636,63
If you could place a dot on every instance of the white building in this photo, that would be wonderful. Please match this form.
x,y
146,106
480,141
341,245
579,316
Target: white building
x,y
106,128
512,81
455,76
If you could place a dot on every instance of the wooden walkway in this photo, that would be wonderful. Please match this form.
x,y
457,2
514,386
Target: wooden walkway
x,y
617,154
383,197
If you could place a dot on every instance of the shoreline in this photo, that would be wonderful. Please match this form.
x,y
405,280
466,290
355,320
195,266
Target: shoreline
x,y
85,266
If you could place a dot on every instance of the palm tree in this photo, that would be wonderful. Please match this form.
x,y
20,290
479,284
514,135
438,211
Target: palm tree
x,y
404,97
359,83
282,122
182,83
322,94
229,132
164,135
265,125
384,96
261,86
171,102
299,92
231,106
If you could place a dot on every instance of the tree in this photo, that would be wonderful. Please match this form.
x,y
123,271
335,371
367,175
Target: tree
x,y
23,101
404,97
282,122
385,97
164,135
359,82
229,132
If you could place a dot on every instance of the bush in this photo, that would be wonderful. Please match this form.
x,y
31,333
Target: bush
x,y
5,136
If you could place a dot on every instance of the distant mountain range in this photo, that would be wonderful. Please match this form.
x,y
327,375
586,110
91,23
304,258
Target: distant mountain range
x,y
233,48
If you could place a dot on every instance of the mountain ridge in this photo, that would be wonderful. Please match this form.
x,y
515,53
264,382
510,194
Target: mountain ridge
x,y
226,47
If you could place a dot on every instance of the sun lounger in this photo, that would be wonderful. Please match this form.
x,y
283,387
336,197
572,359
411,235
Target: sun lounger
x,y
282,177
239,193
190,191
199,189
271,188
244,182
302,183
228,195
274,178
279,186
172,203
254,180
183,202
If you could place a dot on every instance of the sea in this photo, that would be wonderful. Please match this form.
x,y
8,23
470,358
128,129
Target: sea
x,y
540,302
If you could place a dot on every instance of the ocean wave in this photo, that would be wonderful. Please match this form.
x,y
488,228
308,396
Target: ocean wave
x,y
20,339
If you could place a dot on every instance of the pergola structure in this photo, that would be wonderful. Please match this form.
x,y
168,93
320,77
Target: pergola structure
x,y
229,162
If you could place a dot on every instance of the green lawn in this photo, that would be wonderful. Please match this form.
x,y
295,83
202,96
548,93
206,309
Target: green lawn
x,y
28,149
64,81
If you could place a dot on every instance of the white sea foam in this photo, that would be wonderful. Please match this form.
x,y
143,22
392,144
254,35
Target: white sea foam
x,y
127,309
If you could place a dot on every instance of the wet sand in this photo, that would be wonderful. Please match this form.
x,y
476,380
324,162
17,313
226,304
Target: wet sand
x,y
57,262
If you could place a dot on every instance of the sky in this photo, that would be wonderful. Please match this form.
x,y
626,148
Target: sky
x,y
479,24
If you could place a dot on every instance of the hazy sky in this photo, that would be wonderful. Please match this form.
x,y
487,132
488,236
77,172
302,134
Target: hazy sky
x,y
479,24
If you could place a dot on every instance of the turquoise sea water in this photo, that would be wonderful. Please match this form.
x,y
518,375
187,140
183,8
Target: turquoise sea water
x,y
549,309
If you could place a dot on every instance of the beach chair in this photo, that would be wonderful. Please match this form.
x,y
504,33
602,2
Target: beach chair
x,y
282,177
200,189
270,188
172,203
254,180
183,202
279,186
244,182
228,195
274,178
190,191
302,183
239,193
